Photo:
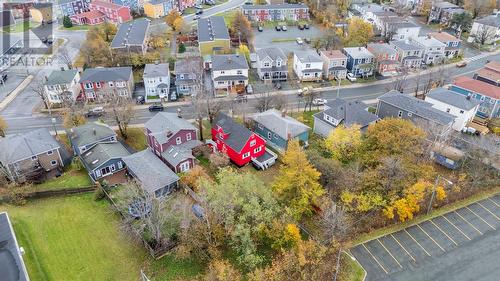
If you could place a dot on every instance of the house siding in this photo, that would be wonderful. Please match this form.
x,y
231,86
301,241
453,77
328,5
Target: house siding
x,y
489,107
20,168
81,149
237,156
321,127
110,163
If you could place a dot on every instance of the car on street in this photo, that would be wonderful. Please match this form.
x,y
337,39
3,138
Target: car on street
x,y
240,98
249,3
199,12
299,41
284,28
304,90
95,112
140,100
301,26
196,17
351,77
278,28
156,107
307,40
260,28
461,64
306,26
3,77
249,89
319,101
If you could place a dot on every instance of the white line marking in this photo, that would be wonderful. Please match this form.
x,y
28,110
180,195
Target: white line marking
x,y
375,258
430,237
494,202
456,227
488,210
417,242
468,222
480,217
387,250
400,245
437,226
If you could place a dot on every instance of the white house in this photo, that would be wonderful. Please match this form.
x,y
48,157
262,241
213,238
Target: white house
x,y
62,84
271,64
464,108
229,72
308,66
399,29
487,29
434,50
156,81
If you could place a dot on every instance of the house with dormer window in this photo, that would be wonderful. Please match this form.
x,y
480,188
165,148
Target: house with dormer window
x,y
308,66
271,64
102,82
62,84
360,61
339,112
229,73
334,64
156,81
434,50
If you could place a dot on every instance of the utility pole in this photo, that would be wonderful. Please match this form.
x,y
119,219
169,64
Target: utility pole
x,y
433,194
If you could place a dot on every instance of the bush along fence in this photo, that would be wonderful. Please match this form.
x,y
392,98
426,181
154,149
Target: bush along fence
x,y
155,252
46,193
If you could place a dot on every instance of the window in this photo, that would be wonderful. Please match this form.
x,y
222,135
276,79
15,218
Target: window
x,y
260,126
53,162
120,84
252,143
111,84
98,173
461,112
482,98
246,155
267,64
98,84
221,82
410,114
308,65
188,136
50,152
88,85
222,72
34,158
275,136
257,150
400,114
184,166
278,63
113,168
104,171
448,110
178,140
120,164
269,135
239,72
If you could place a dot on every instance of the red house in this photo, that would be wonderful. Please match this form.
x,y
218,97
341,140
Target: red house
x,y
113,12
239,143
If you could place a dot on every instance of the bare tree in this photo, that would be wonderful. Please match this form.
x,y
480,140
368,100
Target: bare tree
x,y
264,101
308,97
335,222
39,89
122,111
64,57
484,34
400,83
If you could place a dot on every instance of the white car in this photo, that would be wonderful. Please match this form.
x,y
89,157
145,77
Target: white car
x,y
351,77
319,101
299,41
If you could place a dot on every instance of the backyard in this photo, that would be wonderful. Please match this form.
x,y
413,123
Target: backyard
x,y
77,238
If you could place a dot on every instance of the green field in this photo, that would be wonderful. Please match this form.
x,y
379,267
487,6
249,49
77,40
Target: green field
x,y
76,238
71,178
19,27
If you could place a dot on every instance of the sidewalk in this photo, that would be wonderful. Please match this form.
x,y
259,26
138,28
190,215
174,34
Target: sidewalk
x,y
10,97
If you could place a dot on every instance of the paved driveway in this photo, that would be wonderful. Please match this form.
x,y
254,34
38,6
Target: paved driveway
x,y
265,38
460,245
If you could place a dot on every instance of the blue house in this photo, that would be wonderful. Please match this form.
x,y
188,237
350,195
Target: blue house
x,y
83,138
360,61
104,162
488,94
72,7
133,4
188,74
277,129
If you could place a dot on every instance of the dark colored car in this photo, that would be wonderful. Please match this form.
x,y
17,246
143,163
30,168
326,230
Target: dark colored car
x,y
260,28
199,12
301,27
3,78
307,40
278,28
95,112
44,40
156,107
140,100
306,26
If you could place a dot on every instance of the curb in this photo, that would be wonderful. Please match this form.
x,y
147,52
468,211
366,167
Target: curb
x,y
10,97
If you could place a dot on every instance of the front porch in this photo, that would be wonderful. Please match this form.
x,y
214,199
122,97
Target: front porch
x,y
275,76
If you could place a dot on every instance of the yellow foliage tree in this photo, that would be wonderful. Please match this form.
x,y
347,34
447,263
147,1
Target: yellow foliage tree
x,y
479,7
297,182
73,119
243,49
171,17
440,193
222,270
178,23
344,143
406,207
359,32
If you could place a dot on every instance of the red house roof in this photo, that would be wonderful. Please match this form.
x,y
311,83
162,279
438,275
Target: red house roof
x,y
477,86
90,15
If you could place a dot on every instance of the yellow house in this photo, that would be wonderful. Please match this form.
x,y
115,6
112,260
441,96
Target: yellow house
x,y
41,12
154,10
212,35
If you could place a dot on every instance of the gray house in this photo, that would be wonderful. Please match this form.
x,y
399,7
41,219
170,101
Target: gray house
x,y
341,112
104,162
153,175
30,155
272,64
410,55
156,79
13,268
277,129
132,37
188,74
396,104
86,136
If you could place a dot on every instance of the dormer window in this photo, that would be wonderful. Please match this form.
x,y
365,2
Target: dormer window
x,y
267,64
239,72
278,63
308,65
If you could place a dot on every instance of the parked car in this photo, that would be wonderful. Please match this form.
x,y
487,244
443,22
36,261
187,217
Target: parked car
x,y
249,3
306,26
3,77
198,6
140,100
50,40
301,27
307,40
196,17
95,112
319,101
260,28
299,41
156,107
210,2
44,40
199,12
249,89
351,77
304,90
461,64
284,28
240,98
278,28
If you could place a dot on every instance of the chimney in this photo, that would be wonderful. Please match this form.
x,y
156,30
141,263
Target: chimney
x,y
289,136
46,78
283,113
467,98
179,113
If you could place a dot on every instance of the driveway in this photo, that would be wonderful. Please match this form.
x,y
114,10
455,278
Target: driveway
x,y
270,38
461,245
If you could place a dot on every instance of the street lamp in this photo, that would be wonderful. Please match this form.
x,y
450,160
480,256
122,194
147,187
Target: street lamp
x,y
434,190
53,120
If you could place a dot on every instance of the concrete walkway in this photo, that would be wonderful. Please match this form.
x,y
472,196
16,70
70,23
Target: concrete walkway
x,y
10,97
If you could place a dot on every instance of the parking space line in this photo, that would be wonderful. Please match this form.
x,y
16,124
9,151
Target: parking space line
x,y
488,210
374,258
480,218
400,245
494,202
446,234
468,222
456,227
383,246
417,242
430,237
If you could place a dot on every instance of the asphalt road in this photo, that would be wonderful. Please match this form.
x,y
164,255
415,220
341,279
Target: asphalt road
x,y
20,118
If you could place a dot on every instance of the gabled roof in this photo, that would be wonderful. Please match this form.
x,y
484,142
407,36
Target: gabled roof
x,y
491,71
443,36
179,153
149,170
17,147
381,49
109,5
229,62
238,135
416,106
429,41
477,86
349,112
452,98
131,33
283,126
90,133
307,56
103,152
272,52
333,54
94,14
106,74
275,6
60,77
164,122
156,70
13,268
358,52
492,20
405,45
212,28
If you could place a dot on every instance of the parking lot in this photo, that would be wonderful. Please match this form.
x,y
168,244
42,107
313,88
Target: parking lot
x,y
460,245
269,37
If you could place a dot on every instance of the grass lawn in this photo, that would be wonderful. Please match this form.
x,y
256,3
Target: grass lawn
x,y
228,16
79,61
19,27
77,238
78,27
282,40
136,138
72,178
352,268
